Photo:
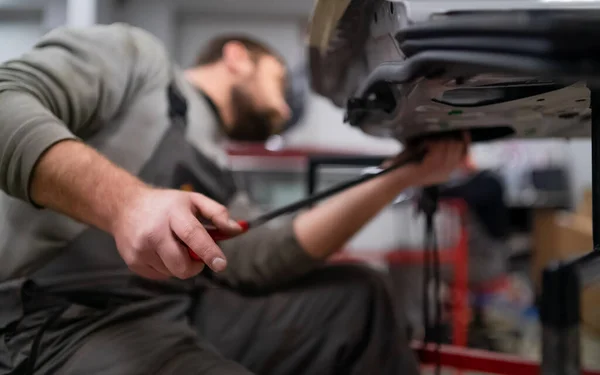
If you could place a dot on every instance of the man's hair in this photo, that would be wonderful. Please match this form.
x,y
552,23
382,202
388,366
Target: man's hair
x,y
213,50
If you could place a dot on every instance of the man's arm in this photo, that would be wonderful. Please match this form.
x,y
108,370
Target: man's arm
x,y
266,257
68,87
327,227
88,188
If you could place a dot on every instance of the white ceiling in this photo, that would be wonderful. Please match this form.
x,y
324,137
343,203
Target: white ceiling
x,y
419,8
265,7
283,7
22,4
303,8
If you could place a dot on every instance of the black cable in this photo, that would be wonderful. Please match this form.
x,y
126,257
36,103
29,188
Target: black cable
x,y
429,205
426,279
438,300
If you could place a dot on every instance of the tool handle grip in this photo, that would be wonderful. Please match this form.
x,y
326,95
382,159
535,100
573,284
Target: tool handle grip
x,y
218,235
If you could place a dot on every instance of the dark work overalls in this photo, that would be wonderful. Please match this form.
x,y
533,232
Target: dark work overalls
x,y
338,320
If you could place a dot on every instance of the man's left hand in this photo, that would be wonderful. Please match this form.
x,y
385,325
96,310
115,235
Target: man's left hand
x,y
441,159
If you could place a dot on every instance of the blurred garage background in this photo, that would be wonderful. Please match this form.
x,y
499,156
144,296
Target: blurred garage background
x,y
546,182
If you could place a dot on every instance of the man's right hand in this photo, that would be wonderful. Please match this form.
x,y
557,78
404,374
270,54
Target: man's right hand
x,y
154,231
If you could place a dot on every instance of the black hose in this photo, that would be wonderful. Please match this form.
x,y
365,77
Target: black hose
x,y
429,205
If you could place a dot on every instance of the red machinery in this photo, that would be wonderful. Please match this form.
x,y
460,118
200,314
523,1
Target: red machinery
x,y
480,361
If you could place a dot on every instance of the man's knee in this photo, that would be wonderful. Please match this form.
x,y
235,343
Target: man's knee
x,y
357,293
364,283
375,332
198,362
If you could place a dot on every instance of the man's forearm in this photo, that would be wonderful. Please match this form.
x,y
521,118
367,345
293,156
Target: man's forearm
x,y
327,227
74,179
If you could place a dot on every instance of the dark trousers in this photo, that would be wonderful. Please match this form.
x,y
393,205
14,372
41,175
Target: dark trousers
x,y
337,320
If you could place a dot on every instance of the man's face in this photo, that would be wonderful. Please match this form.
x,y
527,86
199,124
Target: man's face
x,y
258,101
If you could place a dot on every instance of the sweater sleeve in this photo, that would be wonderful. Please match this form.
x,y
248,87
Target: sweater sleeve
x,y
265,257
69,86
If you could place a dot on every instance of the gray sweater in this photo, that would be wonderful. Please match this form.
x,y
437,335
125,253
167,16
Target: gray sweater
x,y
106,86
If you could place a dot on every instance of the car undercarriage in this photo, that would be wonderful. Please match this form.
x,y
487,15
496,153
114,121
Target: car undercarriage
x,y
522,73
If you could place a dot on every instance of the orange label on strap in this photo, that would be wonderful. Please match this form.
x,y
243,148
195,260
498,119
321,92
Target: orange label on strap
x,y
187,187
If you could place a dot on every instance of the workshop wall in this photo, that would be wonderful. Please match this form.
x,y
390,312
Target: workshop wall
x,y
580,167
19,30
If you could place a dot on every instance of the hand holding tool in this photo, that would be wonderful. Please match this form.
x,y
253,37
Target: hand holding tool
x,y
218,235
414,154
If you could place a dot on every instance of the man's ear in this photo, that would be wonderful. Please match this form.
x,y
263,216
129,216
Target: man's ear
x,y
237,59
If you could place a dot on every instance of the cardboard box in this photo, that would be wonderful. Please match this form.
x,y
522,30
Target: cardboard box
x,y
584,208
560,235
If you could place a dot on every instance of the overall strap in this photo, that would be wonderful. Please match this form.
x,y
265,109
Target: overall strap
x,y
177,106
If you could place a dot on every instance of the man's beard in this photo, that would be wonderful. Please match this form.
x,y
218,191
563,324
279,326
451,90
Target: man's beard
x,y
249,124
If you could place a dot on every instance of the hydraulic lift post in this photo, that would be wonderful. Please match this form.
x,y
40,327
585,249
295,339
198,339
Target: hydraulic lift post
x,y
595,107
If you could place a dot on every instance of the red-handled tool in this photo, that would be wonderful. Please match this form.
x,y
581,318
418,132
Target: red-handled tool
x,y
218,235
